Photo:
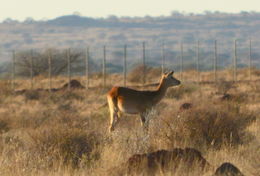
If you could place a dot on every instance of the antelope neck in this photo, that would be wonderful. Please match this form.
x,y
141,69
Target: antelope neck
x,y
160,92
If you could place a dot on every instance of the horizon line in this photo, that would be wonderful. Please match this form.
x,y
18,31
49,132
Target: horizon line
x,y
176,12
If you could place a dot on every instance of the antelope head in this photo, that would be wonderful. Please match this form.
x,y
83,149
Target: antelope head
x,y
168,80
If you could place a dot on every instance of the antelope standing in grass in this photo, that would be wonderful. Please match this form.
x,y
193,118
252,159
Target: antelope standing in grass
x,y
126,100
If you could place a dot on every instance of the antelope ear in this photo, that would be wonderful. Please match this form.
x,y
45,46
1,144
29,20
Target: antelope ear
x,y
170,73
165,74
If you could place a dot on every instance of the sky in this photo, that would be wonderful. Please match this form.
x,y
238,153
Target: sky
x,y
49,9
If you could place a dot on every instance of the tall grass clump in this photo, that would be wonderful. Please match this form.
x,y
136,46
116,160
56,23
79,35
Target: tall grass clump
x,y
49,148
209,125
72,147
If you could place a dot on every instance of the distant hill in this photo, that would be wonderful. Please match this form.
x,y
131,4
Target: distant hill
x,y
80,21
74,31
211,21
74,20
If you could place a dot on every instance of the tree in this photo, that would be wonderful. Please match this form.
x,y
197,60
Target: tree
x,y
29,20
38,62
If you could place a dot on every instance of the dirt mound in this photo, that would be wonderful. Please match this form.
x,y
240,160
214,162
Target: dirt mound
x,y
163,160
74,84
239,97
185,106
227,96
228,169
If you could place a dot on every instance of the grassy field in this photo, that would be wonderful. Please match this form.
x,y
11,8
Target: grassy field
x,y
66,132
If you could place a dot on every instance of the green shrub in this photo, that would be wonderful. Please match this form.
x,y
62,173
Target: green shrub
x,y
4,126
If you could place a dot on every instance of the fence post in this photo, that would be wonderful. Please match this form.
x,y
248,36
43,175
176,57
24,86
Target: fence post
x,y
235,61
87,68
69,68
181,45
13,71
104,66
125,69
163,57
215,62
250,61
198,60
49,63
144,66
31,68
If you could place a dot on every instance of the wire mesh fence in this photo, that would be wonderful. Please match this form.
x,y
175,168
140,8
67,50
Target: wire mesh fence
x,y
200,61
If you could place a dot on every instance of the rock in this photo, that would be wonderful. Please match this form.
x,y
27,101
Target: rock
x,y
163,160
185,106
228,169
74,84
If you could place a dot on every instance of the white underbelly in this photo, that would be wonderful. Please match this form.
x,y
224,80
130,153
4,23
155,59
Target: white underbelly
x,y
128,109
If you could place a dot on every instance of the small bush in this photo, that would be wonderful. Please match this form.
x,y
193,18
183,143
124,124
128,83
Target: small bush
x,y
79,147
4,126
224,87
210,125
32,95
73,147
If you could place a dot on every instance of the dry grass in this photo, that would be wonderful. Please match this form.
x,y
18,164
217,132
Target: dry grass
x,y
208,125
66,133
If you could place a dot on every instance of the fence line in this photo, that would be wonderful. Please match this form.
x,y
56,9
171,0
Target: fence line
x,y
250,60
69,68
215,62
104,66
124,54
144,66
87,67
198,61
235,61
181,45
49,65
31,69
124,68
163,57
13,71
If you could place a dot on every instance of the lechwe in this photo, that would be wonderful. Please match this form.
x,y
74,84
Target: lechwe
x,y
122,99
